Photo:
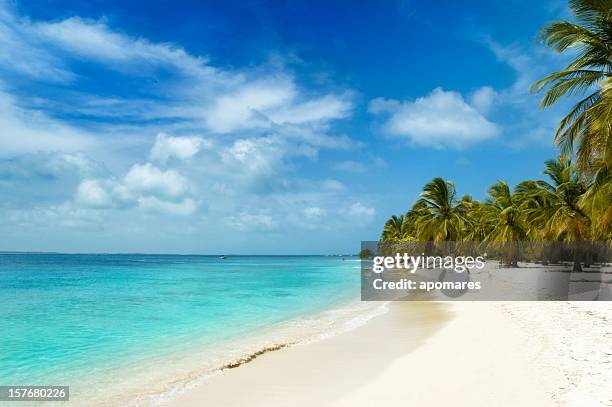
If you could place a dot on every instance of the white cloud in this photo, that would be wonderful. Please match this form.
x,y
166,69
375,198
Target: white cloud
x,y
326,108
255,157
79,161
192,91
276,100
268,118
359,214
249,150
246,107
193,96
48,165
93,39
144,186
151,180
182,148
359,210
92,194
259,165
25,131
22,52
258,125
483,99
440,119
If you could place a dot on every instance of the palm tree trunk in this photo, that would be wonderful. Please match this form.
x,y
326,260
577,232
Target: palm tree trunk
x,y
514,254
588,256
577,266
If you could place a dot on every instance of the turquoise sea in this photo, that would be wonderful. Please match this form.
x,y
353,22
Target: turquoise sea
x,y
133,328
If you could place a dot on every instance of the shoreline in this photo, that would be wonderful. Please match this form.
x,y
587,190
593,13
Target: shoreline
x,y
417,353
271,369
195,368
132,331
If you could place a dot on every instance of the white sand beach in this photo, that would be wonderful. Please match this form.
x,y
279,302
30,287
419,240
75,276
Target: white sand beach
x,y
436,354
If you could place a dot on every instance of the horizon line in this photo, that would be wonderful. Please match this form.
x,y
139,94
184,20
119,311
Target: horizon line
x,y
168,254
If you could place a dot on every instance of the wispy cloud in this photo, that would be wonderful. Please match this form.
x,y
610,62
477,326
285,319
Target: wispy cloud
x,y
23,131
180,140
515,107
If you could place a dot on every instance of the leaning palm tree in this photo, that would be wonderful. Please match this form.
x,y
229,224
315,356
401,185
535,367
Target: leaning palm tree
x,y
439,216
554,208
587,128
505,207
396,229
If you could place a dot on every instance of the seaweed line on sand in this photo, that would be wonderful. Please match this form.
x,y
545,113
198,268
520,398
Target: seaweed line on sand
x,y
249,358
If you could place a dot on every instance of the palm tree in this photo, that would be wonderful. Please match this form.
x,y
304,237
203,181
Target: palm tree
x,y
504,206
438,214
396,229
596,201
554,207
480,220
588,125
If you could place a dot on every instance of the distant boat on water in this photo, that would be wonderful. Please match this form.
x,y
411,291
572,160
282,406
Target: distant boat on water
x,y
222,257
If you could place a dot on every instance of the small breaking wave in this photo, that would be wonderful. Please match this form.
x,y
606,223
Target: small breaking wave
x,y
298,331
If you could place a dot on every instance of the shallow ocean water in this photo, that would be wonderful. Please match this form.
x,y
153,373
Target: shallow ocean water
x,y
70,319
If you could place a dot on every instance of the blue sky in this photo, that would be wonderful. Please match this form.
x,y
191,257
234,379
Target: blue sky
x,y
257,126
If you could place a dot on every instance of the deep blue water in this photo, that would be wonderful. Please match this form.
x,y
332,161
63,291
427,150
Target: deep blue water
x,y
66,315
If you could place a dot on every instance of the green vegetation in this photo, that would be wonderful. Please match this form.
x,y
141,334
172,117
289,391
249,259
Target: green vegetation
x,y
366,254
584,133
586,128
575,204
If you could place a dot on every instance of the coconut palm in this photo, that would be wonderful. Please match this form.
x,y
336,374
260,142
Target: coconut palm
x,y
480,220
588,125
438,214
554,207
396,229
596,201
504,206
